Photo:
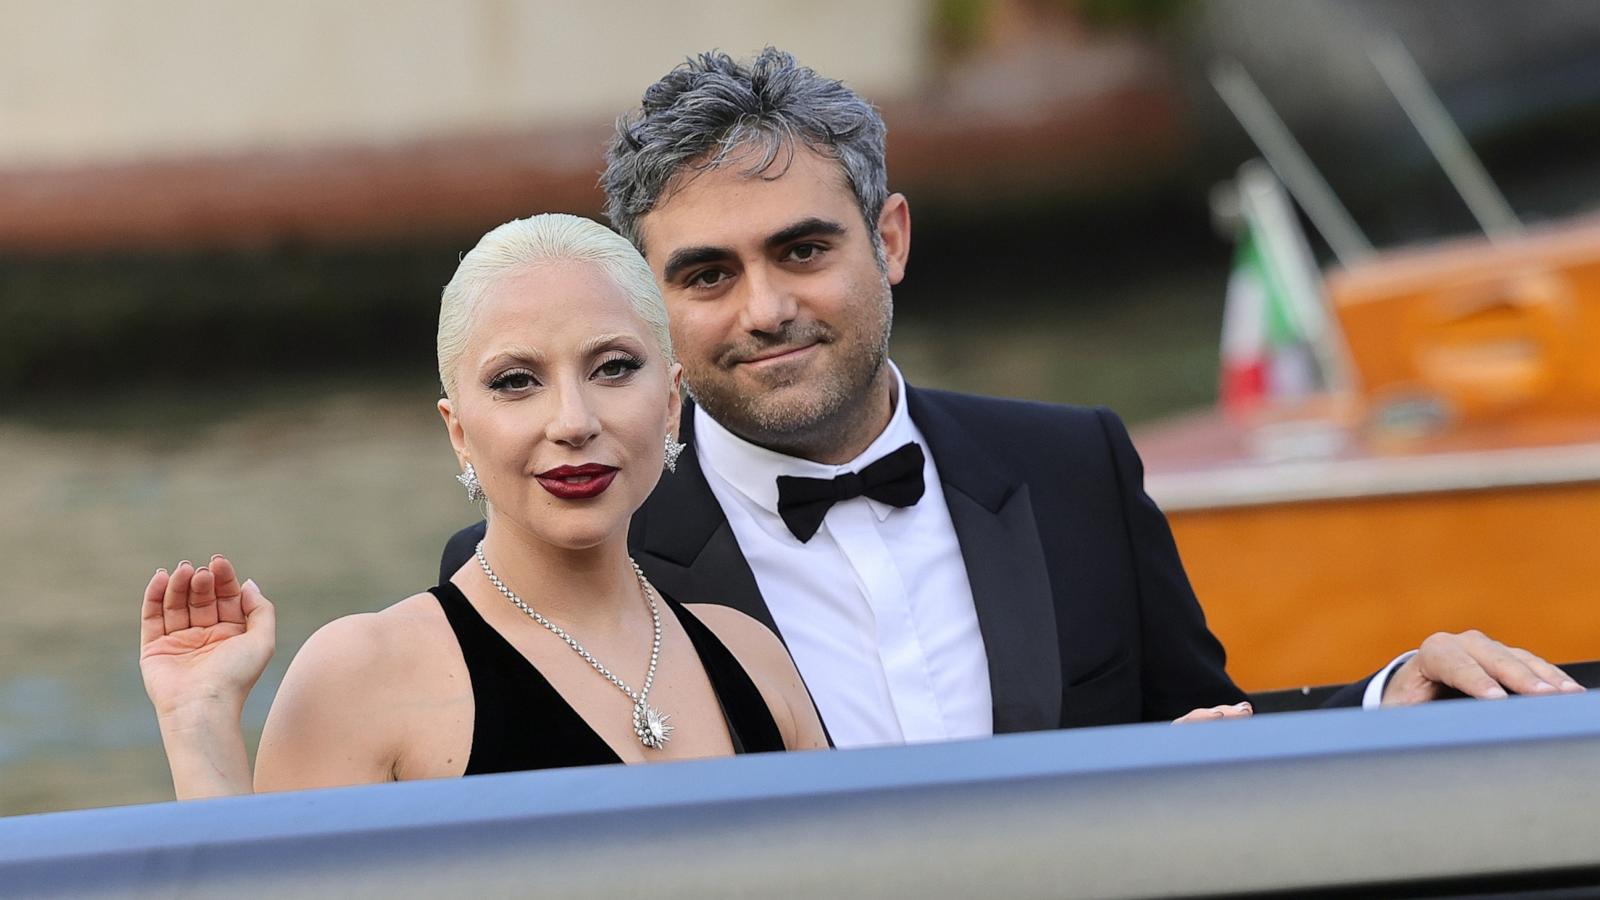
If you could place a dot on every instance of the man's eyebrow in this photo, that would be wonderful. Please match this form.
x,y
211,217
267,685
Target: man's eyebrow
x,y
686,257
812,227
691,256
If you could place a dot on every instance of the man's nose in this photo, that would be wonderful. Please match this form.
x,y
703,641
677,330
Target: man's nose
x,y
574,423
768,304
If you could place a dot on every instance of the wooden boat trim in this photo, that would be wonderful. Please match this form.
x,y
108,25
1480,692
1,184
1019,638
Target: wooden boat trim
x,y
1338,479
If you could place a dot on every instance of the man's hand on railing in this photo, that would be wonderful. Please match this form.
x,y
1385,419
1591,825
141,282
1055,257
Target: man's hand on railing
x,y
1208,713
1476,665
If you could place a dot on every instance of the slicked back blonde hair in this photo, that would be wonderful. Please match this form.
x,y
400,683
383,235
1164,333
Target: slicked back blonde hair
x,y
547,238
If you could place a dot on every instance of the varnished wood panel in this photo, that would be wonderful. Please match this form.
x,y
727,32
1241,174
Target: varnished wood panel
x,y
1328,591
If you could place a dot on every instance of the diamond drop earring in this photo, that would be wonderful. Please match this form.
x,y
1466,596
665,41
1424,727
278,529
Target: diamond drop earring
x,y
674,450
469,480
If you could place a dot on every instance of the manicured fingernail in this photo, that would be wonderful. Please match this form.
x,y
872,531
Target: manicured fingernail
x,y
1543,687
161,571
251,583
1244,705
1495,693
1570,685
216,556
184,562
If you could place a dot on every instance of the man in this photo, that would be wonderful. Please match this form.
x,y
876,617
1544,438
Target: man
x,y
939,565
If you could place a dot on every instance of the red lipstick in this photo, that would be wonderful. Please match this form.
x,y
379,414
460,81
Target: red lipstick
x,y
577,482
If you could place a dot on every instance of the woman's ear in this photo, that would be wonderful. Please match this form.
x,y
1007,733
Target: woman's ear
x,y
452,425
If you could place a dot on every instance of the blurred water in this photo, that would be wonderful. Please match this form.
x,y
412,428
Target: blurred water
x,y
336,498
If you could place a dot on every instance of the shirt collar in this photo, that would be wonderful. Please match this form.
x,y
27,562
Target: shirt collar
x,y
753,471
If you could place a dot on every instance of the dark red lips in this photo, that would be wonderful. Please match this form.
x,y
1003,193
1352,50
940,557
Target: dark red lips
x,y
577,482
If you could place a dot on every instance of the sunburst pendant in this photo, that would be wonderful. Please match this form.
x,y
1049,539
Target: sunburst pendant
x,y
651,725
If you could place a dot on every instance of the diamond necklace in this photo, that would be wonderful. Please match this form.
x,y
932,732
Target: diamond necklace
x,y
649,724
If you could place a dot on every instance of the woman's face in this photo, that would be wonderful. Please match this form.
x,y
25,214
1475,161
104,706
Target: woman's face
x,y
562,402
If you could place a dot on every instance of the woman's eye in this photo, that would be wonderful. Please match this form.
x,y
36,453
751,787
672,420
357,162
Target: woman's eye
x,y
619,367
513,381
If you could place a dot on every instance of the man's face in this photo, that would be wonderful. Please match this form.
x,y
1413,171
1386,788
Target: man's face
x,y
779,310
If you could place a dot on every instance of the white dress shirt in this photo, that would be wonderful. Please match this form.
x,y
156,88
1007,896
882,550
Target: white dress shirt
x,y
876,608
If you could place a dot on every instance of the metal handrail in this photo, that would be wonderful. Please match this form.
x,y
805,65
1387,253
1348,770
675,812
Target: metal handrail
x,y
1499,793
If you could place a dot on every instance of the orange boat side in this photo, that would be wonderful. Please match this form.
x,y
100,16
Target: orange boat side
x,y
1326,591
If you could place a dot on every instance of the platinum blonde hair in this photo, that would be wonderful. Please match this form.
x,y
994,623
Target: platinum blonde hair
x,y
547,238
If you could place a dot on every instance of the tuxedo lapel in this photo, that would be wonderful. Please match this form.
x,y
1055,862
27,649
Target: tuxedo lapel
x,y
993,518
682,540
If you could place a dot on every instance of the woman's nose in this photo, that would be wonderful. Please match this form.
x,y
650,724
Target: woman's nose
x,y
574,423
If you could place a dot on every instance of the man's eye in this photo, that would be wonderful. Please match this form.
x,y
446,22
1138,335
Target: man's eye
x,y
804,252
707,278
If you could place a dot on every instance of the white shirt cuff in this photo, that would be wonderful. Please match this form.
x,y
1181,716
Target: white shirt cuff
x,y
1373,697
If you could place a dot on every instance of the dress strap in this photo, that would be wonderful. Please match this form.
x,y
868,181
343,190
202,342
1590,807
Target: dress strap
x,y
750,723
520,721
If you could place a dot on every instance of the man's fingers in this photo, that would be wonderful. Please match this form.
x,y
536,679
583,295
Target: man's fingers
x,y
175,600
1550,673
1506,667
1211,713
152,622
203,598
1445,661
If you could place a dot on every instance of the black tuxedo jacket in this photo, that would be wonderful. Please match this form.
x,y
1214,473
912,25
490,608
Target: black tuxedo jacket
x,y
1086,614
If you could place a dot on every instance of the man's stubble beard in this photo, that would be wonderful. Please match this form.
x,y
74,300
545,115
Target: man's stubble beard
x,y
829,416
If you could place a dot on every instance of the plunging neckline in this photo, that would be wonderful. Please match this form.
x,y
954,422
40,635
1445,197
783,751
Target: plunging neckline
x,y
537,679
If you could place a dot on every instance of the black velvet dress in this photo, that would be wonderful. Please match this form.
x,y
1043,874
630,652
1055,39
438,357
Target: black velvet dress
x,y
522,723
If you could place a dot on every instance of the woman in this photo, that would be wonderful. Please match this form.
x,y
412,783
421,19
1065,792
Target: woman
x,y
548,649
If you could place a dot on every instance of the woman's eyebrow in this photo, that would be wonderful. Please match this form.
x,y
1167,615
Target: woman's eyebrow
x,y
607,341
525,355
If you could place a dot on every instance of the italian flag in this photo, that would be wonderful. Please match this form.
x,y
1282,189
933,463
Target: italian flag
x,y
1273,326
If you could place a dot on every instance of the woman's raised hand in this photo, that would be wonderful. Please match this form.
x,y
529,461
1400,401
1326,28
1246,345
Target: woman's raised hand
x,y
204,638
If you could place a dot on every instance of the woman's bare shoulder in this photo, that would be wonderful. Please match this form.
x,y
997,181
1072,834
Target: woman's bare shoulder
x,y
375,636
391,641
338,717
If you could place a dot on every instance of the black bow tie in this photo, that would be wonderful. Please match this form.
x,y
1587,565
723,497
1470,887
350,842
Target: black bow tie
x,y
896,479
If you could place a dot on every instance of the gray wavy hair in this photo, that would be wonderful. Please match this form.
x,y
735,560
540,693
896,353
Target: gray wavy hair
x,y
711,105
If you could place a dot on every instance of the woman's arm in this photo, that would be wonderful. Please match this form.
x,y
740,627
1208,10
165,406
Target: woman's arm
x,y
334,721
204,640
